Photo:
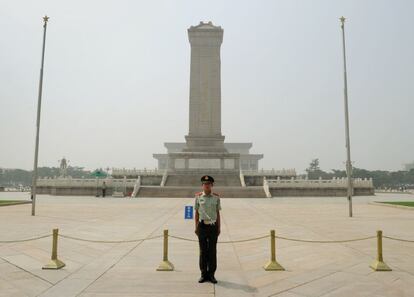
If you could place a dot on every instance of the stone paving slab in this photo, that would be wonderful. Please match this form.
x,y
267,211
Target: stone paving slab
x,y
128,269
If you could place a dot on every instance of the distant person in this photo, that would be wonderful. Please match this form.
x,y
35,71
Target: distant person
x,y
103,189
207,228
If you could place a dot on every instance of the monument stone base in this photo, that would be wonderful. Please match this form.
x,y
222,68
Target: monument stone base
x,y
205,144
189,161
186,168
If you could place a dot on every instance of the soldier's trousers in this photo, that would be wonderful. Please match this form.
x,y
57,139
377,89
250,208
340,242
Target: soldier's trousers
x,y
207,240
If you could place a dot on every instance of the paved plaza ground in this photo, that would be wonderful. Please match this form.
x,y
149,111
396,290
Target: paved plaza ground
x,y
129,269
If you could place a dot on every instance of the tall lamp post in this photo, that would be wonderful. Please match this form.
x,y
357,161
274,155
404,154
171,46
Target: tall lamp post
x,y
348,148
39,105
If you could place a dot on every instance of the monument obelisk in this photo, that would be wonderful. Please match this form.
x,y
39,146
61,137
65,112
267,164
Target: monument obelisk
x,y
204,150
205,89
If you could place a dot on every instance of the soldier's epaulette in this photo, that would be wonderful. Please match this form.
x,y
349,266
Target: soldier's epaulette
x,y
215,194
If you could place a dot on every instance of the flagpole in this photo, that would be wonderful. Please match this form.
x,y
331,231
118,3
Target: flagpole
x,y
348,148
39,105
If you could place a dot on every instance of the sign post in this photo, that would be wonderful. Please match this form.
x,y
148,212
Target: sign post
x,y
188,212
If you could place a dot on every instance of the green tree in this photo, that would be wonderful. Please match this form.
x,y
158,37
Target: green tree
x,y
314,171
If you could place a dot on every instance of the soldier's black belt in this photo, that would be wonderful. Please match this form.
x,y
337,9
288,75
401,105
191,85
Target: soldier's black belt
x,y
210,223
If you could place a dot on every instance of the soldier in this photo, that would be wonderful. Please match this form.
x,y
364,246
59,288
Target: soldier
x,y
207,227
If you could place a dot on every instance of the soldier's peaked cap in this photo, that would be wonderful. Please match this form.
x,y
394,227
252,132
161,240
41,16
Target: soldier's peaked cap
x,y
207,179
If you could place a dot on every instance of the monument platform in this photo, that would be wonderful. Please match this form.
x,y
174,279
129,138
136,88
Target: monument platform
x,y
192,178
189,191
252,184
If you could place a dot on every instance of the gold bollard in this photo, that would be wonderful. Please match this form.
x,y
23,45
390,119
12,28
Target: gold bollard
x,y
165,265
272,265
54,263
378,264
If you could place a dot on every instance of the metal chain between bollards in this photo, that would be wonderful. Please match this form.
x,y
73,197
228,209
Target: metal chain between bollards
x,y
397,239
109,241
281,237
166,265
24,240
325,241
226,241
195,240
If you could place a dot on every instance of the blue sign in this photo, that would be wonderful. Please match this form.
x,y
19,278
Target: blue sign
x,y
188,212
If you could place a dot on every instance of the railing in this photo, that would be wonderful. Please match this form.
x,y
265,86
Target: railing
x,y
136,172
320,183
266,188
85,182
391,190
137,186
242,181
164,178
280,172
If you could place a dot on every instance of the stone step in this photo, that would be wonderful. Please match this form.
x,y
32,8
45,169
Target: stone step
x,y
188,192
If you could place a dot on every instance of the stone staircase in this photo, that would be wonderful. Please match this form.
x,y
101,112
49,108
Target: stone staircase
x,y
189,191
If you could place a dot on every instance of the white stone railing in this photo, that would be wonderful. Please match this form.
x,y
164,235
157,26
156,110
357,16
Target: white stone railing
x,y
266,188
85,182
279,172
164,178
393,190
320,183
137,172
242,181
137,186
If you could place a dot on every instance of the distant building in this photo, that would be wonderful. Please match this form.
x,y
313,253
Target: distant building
x,y
409,166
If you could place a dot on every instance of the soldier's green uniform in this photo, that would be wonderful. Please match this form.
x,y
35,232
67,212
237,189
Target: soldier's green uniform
x,y
207,206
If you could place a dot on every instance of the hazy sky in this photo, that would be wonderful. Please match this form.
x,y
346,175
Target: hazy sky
x,y
116,82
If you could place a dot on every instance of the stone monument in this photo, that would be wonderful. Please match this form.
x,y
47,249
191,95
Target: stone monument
x,y
205,90
204,148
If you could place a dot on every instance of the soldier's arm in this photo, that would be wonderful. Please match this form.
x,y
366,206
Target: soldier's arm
x,y
196,217
218,223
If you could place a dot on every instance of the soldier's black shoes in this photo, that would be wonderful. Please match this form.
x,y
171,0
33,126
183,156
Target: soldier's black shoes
x,y
210,278
213,279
